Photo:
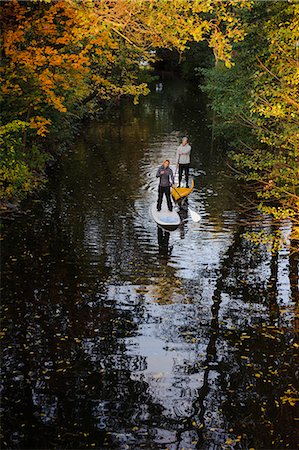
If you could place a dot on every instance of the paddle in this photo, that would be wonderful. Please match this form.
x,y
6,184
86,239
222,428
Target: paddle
x,y
177,165
194,215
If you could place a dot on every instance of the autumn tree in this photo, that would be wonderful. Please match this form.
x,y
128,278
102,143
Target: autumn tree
x,y
61,57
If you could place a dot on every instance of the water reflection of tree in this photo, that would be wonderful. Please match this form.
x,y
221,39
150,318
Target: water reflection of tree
x,y
294,278
256,370
197,421
59,367
56,324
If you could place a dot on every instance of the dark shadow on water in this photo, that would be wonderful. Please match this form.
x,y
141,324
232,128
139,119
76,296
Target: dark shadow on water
x,y
183,213
163,243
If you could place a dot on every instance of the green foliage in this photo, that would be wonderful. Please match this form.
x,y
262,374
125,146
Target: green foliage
x,y
20,169
278,176
228,90
196,51
256,102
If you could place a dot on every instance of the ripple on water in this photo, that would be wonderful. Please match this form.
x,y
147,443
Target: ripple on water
x,y
134,339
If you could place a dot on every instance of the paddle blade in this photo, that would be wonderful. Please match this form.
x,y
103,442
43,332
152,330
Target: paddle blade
x,y
194,215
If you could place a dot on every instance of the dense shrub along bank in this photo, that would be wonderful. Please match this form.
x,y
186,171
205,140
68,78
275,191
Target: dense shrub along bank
x,y
257,106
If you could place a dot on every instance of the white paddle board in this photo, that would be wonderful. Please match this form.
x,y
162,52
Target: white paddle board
x,y
169,220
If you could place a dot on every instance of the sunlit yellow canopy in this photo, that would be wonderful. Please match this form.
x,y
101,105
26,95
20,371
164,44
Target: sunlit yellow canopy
x,y
181,192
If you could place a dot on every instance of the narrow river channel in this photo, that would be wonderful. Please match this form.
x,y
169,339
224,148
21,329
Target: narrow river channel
x,y
118,336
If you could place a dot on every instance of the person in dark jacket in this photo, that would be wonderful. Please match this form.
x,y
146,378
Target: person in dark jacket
x,y
166,181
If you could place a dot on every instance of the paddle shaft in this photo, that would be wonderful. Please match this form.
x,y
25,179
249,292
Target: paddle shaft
x,y
177,192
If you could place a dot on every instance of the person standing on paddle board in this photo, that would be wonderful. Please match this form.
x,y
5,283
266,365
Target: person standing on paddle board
x,y
166,181
183,158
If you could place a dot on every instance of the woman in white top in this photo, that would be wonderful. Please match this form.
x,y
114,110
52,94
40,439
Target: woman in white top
x,y
183,158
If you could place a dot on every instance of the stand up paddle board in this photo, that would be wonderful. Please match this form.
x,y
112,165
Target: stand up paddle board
x,y
179,193
169,220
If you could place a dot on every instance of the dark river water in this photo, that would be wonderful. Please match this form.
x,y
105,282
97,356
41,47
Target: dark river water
x,y
117,335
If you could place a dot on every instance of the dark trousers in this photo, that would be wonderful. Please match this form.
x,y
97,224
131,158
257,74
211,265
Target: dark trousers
x,y
184,168
161,191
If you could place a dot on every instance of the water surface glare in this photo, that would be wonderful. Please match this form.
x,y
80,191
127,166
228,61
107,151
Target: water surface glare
x,y
118,335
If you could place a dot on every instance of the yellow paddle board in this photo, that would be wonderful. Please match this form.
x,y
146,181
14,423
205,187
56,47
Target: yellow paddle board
x,y
178,193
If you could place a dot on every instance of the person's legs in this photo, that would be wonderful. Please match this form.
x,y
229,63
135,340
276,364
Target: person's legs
x,y
180,173
187,174
167,193
160,198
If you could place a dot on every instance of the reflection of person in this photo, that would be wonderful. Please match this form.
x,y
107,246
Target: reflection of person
x,y
183,213
183,158
166,180
163,242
